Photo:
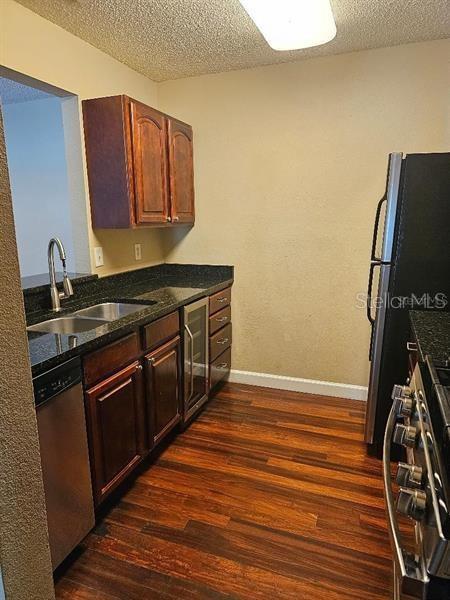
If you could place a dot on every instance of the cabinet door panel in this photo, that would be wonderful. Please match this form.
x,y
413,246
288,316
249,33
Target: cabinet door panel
x,y
163,388
181,169
149,133
116,428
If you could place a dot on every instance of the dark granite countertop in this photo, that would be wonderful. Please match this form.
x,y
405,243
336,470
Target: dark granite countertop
x,y
431,330
165,288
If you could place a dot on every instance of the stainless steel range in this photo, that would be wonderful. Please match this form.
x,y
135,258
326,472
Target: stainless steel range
x,y
419,421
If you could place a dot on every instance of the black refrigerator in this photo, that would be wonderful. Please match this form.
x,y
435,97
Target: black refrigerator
x,y
409,269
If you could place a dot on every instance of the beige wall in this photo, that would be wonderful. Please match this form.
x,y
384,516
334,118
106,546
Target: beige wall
x,y
290,161
24,550
34,46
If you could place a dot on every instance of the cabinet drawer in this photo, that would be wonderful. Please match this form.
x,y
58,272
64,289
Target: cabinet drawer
x,y
219,300
161,331
110,358
220,319
220,368
219,342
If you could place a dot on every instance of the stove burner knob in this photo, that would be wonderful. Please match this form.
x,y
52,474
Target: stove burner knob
x,y
405,435
405,407
401,391
409,475
412,503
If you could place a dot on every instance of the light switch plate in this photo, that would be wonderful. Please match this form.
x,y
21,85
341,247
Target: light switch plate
x,y
137,252
98,256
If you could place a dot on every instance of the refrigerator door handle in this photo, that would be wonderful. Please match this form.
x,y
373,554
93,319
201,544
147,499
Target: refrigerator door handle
x,y
375,229
374,260
373,263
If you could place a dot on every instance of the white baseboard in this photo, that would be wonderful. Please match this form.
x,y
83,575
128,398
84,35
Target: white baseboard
x,y
296,384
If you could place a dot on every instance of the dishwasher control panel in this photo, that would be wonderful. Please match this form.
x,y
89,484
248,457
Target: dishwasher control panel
x,y
56,380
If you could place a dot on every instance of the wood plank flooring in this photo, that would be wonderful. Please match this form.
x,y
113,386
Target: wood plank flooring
x,y
269,494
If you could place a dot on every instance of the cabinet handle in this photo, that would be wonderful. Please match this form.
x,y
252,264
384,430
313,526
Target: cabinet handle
x,y
139,368
221,319
151,361
222,341
222,366
221,300
411,347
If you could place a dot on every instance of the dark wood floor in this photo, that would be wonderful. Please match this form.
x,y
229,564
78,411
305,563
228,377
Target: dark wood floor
x,y
269,494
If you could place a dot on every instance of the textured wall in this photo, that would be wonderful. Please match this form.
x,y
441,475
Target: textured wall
x,y
194,37
36,47
24,551
290,161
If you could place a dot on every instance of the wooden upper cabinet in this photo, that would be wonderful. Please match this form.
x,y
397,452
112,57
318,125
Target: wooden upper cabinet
x,y
140,165
149,135
181,170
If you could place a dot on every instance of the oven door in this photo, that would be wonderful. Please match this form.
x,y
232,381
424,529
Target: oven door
x,y
410,575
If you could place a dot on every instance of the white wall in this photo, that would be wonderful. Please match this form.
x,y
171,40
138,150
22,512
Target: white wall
x,y
37,166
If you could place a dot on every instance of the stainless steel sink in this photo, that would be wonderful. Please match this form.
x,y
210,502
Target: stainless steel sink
x,y
71,324
110,311
89,318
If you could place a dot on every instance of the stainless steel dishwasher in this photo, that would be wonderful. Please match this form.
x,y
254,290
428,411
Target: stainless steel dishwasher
x,y
64,457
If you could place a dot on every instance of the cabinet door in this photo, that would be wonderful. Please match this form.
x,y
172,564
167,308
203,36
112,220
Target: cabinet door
x,y
149,135
163,389
196,363
181,170
116,428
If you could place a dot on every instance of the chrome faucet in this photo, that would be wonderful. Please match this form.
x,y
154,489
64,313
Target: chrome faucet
x,y
55,294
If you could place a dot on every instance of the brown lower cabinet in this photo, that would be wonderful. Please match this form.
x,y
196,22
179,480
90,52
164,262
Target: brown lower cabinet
x,y
162,370
220,337
133,392
115,414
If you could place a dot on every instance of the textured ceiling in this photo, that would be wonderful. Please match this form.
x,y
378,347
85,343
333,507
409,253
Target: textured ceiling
x,y
12,92
168,39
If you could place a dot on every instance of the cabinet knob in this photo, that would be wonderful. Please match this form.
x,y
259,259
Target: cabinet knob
x,y
169,219
176,219
139,368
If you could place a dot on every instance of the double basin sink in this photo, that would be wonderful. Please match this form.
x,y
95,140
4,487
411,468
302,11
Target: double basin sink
x,y
89,318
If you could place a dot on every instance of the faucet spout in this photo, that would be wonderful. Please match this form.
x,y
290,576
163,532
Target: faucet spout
x,y
55,294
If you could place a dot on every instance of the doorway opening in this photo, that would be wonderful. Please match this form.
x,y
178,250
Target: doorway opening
x,y
44,153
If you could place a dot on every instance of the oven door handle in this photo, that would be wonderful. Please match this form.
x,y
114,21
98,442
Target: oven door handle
x,y
414,578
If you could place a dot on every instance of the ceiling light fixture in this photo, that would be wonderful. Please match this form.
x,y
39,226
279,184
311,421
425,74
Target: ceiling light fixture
x,y
292,24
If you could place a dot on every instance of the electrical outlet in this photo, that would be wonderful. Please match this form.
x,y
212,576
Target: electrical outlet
x,y
137,252
98,256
